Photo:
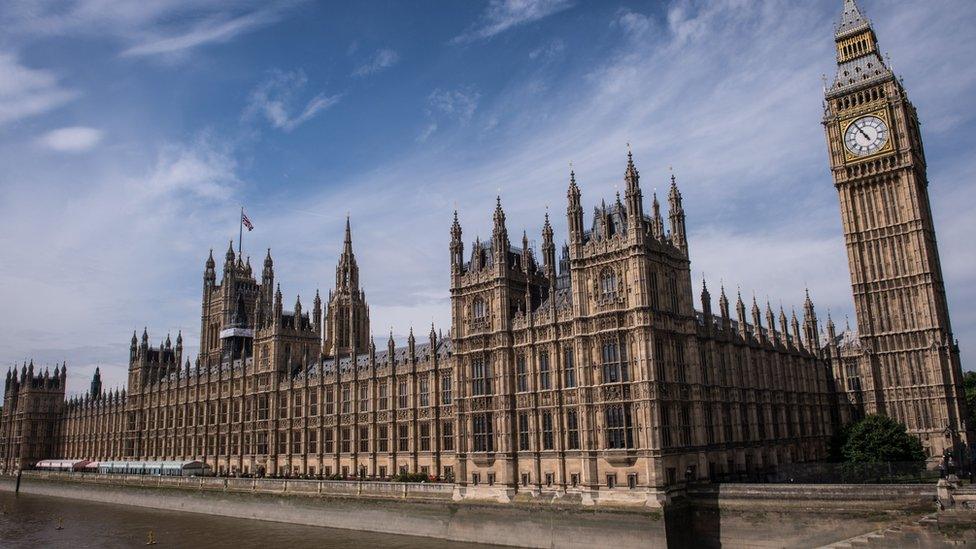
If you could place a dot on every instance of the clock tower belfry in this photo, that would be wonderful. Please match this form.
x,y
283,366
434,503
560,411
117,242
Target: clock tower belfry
x,y
904,357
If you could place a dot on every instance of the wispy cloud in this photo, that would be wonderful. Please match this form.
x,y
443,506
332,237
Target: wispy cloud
x,y
202,168
457,105
216,30
382,59
549,50
72,140
276,99
162,27
25,91
501,15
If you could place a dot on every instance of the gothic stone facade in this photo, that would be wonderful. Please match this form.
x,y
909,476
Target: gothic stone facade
x,y
592,373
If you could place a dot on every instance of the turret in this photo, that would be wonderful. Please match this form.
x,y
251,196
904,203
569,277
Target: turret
x,y
833,344
277,305
797,336
457,246
96,383
784,328
267,274
723,307
298,311
548,252
574,212
757,330
811,328
740,309
657,222
499,235
676,214
527,260
770,323
133,347
317,314
706,304
411,343
229,259
635,200
209,272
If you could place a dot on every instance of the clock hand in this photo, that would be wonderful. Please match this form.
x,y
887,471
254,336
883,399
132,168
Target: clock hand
x,y
866,136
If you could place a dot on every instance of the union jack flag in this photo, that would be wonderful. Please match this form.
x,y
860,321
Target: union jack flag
x,y
247,222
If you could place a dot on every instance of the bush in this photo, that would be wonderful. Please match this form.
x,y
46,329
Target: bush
x,y
413,477
878,439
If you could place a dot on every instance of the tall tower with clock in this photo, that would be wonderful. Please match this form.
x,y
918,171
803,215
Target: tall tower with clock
x,y
904,358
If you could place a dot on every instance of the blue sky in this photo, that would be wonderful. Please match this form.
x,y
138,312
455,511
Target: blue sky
x,y
131,132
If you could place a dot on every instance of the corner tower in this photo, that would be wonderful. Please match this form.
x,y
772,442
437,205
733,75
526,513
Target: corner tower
x,y
879,170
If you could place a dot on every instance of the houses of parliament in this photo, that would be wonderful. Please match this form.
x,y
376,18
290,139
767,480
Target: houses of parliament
x,y
598,367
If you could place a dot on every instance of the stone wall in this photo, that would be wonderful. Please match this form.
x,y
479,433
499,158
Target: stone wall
x,y
739,515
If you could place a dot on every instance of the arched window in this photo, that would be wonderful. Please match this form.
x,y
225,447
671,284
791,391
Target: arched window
x,y
608,283
479,310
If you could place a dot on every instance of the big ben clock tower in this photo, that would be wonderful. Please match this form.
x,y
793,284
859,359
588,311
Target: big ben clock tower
x,y
905,359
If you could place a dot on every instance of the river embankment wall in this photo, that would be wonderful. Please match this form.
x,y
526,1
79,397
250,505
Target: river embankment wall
x,y
726,515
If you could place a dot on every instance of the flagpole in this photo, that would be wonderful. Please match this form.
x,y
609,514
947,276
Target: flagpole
x,y
240,235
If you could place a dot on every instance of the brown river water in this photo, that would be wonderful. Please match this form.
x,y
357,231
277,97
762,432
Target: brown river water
x,y
31,521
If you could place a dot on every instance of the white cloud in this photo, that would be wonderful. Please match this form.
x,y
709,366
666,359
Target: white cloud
x,y
633,24
204,32
72,140
26,92
382,59
501,15
275,100
550,49
458,104
202,169
160,27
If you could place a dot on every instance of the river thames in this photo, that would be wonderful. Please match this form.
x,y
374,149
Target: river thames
x,y
31,521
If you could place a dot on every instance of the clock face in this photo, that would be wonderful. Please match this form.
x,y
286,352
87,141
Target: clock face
x,y
866,135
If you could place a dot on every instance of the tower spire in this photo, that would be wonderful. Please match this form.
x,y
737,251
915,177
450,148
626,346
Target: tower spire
x,y
635,199
457,245
677,216
858,59
851,19
574,210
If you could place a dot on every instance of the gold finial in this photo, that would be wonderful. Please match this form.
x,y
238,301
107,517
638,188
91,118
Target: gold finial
x,y
151,539
60,523
628,148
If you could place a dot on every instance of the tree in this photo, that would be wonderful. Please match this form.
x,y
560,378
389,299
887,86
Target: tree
x,y
969,384
877,439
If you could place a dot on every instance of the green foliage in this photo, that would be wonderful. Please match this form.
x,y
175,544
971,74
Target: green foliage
x,y
835,448
969,385
412,477
877,439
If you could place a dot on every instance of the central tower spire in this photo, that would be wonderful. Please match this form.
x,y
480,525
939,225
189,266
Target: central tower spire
x,y
347,315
